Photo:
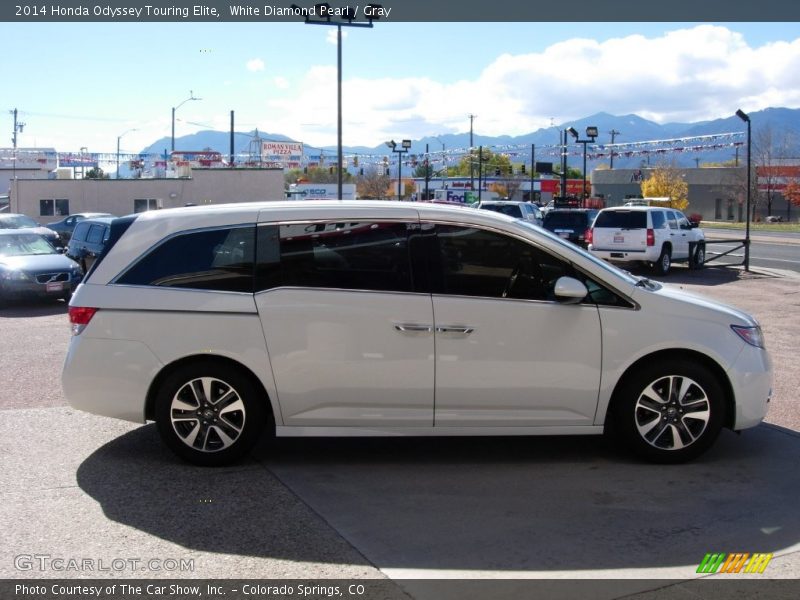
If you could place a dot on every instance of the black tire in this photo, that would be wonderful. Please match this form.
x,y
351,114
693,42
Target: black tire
x,y
210,413
664,262
669,412
698,258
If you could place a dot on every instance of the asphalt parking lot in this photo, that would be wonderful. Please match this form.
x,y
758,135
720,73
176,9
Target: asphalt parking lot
x,y
75,485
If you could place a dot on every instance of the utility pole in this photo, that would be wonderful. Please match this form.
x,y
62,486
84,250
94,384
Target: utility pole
x,y
471,166
18,127
614,133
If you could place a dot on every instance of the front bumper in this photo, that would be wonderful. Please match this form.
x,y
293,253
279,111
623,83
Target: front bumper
x,y
751,378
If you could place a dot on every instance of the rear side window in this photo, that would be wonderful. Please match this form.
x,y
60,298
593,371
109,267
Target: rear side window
x,y
622,219
658,219
217,259
336,255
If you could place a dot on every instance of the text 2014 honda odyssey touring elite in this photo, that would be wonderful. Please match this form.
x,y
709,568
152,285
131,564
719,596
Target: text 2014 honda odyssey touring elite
x,y
381,318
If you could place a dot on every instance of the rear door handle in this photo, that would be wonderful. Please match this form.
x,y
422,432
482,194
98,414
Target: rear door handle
x,y
455,329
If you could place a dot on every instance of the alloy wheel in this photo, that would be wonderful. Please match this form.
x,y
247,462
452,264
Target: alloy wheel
x,y
672,412
207,414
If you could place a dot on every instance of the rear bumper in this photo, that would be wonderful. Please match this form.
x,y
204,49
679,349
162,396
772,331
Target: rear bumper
x,y
623,255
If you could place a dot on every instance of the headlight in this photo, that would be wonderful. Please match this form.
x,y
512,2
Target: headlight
x,y
751,335
16,276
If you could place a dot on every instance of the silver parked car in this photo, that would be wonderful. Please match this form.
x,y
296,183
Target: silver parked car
x,y
31,266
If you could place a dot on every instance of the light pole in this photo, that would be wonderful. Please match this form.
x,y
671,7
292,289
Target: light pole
x,y
119,137
347,16
444,160
404,147
174,108
746,118
591,132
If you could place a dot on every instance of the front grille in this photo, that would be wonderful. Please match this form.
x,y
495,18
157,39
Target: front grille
x,y
48,277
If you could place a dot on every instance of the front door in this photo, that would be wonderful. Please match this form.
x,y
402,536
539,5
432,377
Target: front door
x,y
507,353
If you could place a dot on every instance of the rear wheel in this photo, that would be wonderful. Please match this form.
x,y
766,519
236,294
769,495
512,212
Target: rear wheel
x,y
698,259
664,262
670,412
210,413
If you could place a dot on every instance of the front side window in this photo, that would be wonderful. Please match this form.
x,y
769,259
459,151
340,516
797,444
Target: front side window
x,y
672,220
349,255
217,259
476,262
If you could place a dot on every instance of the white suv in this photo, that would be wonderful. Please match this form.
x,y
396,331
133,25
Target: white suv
x,y
653,235
381,318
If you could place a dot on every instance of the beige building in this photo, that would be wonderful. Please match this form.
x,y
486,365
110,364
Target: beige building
x,y
48,200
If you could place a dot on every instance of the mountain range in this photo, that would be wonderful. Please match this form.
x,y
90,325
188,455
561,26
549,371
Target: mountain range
x,y
783,123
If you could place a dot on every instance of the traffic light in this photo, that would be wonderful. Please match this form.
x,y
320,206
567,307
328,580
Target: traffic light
x,y
497,172
522,170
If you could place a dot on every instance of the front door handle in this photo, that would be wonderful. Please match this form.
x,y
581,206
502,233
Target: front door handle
x,y
413,328
455,329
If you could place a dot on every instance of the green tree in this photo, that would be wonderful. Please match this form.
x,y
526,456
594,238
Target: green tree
x,y
95,173
492,161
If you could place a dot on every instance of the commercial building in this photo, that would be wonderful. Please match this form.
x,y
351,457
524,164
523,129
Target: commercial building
x,y
48,200
715,193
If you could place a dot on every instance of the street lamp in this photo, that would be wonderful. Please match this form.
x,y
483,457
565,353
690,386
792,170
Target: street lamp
x,y
174,108
404,147
347,16
746,118
119,137
591,132
444,160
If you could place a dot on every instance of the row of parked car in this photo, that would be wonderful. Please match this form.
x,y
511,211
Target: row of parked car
x,y
654,235
48,261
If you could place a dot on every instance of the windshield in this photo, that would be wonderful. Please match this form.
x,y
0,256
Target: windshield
x,y
512,210
17,222
24,245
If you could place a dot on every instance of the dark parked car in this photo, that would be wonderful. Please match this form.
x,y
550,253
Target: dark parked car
x,y
23,222
88,240
570,223
66,226
30,265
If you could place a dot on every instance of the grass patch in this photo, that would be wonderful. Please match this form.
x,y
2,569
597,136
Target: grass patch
x,y
784,227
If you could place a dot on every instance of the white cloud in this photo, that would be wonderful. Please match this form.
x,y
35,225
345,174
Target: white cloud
x,y
691,74
255,64
281,83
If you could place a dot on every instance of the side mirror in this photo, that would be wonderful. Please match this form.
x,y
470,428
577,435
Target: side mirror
x,y
569,290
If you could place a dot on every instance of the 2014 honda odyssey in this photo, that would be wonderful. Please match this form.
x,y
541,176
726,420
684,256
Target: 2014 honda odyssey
x,y
380,318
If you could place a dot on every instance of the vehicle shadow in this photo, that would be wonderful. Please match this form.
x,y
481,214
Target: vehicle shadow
x,y
500,504
707,276
19,309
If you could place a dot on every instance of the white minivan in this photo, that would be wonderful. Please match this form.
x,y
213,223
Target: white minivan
x,y
367,318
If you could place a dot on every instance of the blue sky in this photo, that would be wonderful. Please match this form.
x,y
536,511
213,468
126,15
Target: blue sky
x,y
83,84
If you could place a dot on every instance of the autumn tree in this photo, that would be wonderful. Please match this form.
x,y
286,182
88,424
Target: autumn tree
x,y
492,162
792,192
374,183
667,181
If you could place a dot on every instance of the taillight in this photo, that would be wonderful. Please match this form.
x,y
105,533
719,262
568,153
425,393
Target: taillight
x,y
588,236
79,317
651,237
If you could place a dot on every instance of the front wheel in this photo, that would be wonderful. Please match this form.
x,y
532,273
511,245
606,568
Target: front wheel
x,y
671,412
698,258
209,413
